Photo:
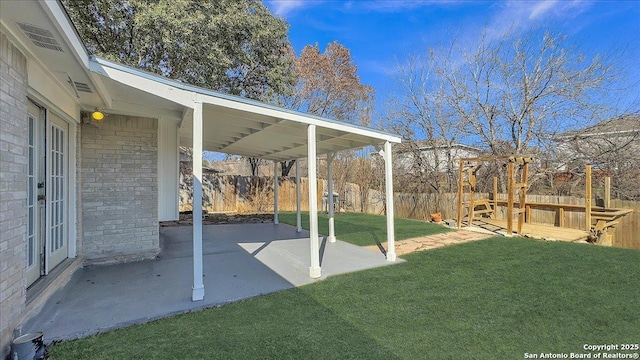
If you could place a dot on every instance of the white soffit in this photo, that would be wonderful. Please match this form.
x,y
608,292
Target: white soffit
x,y
43,33
234,125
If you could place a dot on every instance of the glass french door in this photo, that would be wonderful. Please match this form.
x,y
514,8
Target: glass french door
x,y
47,193
57,179
34,205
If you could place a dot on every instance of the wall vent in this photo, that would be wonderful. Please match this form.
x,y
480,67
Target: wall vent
x,y
41,37
82,87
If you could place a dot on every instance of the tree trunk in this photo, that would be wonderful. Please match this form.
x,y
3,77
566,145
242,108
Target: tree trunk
x,y
255,164
286,166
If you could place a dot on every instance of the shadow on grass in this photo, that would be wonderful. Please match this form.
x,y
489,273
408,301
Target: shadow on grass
x,y
286,325
378,244
358,228
491,299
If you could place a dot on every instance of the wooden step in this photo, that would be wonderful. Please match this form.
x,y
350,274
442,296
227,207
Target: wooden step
x,y
603,217
486,211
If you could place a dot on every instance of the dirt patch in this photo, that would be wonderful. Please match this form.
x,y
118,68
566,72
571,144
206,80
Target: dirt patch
x,y
186,218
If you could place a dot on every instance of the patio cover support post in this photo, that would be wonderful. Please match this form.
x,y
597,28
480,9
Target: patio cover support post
x,y
314,270
332,232
275,192
388,182
298,214
198,286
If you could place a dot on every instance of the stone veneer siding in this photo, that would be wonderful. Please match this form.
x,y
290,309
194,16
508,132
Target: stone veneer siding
x,y
13,189
119,189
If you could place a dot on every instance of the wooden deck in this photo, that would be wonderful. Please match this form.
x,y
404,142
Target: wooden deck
x,y
538,231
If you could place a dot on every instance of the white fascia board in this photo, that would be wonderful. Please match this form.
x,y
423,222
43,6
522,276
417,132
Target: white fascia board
x,y
61,21
142,81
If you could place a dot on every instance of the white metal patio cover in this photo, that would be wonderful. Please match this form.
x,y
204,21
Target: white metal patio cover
x,y
218,122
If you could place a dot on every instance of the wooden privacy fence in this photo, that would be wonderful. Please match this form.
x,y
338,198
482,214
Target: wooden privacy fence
x,y
243,194
627,234
255,194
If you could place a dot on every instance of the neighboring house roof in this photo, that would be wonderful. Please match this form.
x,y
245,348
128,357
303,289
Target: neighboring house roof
x,y
232,125
431,145
620,126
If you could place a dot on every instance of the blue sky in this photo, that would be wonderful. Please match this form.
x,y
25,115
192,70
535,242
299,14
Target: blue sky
x,y
382,33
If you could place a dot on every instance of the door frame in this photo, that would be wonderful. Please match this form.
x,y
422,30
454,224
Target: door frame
x,y
35,173
50,110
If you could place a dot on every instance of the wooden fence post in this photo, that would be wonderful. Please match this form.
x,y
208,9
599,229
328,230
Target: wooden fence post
x,y
460,185
472,189
494,215
607,192
587,197
510,167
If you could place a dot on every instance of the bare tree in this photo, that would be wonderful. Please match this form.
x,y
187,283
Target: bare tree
x,y
521,90
368,173
431,128
611,147
254,164
329,86
508,95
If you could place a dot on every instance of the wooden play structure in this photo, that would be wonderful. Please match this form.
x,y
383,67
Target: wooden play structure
x,y
600,221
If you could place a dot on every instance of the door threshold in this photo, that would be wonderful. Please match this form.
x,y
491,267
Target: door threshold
x,y
57,278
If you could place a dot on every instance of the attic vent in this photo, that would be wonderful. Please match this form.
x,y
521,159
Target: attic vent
x,y
82,87
41,37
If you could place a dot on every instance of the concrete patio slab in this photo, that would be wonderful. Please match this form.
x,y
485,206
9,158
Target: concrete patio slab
x,y
240,261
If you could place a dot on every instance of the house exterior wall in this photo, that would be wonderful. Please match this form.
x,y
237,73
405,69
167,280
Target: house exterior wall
x,y
13,189
78,192
607,151
119,189
405,160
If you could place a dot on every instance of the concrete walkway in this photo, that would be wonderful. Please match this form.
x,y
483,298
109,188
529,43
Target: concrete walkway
x,y
240,261
423,243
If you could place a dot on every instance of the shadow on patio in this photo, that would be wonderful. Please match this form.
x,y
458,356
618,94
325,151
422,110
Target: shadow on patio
x,y
240,261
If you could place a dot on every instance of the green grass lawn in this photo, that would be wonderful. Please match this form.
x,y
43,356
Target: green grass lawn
x,y
491,299
365,229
